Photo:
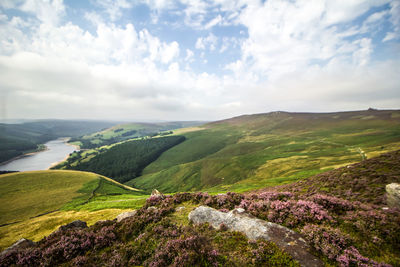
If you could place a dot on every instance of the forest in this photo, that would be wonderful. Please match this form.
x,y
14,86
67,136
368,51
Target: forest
x,y
125,161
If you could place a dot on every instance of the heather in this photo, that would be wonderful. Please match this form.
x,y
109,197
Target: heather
x,y
364,181
151,238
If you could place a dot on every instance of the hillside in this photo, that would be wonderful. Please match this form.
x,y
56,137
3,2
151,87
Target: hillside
x,y
254,151
122,132
26,197
17,139
341,230
123,161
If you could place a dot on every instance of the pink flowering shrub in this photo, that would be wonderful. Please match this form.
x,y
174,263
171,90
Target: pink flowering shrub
x,y
351,257
331,242
333,204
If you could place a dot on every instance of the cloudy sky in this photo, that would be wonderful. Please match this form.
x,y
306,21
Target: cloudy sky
x,y
196,59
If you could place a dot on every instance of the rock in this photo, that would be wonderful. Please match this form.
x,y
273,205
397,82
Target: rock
x,y
254,228
126,214
72,225
152,208
180,208
393,195
157,193
22,243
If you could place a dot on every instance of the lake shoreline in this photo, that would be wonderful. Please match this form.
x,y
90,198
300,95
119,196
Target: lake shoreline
x,y
77,148
24,155
54,152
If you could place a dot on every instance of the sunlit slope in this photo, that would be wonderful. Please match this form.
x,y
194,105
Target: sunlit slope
x,y
254,151
25,195
128,131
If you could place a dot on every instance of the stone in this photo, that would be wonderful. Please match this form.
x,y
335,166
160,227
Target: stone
x,y
20,244
126,214
393,195
155,192
180,208
237,220
78,224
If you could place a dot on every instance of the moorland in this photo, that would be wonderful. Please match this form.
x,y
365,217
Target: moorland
x,y
322,175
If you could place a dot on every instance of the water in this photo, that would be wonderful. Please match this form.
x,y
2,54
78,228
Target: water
x,y
57,150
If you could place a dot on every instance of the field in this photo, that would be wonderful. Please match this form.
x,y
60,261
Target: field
x,y
256,151
33,204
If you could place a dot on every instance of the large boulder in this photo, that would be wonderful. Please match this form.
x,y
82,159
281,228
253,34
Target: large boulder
x,y
156,193
254,228
393,195
78,224
126,214
22,243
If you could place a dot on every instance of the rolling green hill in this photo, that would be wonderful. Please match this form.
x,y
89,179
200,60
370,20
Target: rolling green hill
x,y
25,195
35,203
255,151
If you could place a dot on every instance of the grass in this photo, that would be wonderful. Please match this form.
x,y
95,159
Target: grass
x,y
33,204
37,228
27,194
256,151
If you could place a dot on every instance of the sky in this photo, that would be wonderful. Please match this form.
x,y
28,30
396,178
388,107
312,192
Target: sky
x,y
196,59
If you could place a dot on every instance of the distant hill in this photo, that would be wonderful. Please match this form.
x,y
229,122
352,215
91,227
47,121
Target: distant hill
x,y
254,151
122,132
17,139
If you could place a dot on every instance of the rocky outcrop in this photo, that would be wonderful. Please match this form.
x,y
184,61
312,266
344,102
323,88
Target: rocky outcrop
x,y
126,214
393,195
157,193
73,225
22,243
254,228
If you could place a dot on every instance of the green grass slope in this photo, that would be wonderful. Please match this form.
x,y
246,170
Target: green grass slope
x,y
255,151
25,195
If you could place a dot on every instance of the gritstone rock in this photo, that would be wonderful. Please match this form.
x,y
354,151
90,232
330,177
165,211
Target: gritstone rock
x,y
254,228
73,225
393,195
22,243
126,214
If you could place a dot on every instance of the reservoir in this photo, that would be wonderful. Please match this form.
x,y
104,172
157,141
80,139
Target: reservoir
x,y
57,150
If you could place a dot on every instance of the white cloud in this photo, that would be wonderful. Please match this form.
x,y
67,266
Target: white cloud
x,y
209,42
292,53
395,20
114,8
213,22
189,55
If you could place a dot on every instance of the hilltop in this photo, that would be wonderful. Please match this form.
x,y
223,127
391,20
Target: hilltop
x,y
343,229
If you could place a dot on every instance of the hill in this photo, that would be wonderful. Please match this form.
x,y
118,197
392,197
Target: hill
x,y
122,132
123,161
17,139
29,196
254,151
342,231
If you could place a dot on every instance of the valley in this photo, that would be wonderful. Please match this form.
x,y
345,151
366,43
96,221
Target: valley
x,y
251,162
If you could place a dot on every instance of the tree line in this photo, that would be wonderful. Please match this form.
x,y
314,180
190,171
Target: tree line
x,y
126,161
